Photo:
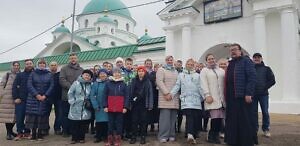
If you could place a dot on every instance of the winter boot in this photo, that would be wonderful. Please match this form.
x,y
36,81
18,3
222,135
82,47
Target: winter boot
x,y
117,140
109,140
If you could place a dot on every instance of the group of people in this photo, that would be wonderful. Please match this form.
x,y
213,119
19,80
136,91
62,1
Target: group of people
x,y
121,100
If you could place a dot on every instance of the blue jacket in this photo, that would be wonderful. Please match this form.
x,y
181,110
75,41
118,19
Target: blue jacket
x,y
116,88
40,82
189,85
97,97
19,89
76,98
244,77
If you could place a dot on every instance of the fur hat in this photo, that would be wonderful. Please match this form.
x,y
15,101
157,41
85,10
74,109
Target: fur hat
x,y
88,72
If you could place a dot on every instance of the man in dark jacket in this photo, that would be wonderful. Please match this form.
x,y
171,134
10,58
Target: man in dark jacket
x,y
20,93
240,85
68,75
265,79
55,98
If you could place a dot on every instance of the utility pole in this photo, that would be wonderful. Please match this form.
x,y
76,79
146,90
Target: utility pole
x,y
72,32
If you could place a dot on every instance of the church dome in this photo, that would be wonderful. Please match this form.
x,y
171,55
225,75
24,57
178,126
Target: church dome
x,y
106,19
145,36
96,6
62,28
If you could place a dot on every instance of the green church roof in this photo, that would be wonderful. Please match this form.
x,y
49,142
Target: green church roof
x,y
105,18
100,54
96,6
62,28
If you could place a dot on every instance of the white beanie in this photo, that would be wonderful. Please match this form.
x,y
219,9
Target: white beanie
x,y
119,59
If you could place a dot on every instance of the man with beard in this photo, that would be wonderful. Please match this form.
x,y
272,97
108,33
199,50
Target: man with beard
x,y
240,86
20,93
68,75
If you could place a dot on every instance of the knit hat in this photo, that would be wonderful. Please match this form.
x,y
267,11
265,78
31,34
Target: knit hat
x,y
88,72
142,68
119,59
102,70
257,55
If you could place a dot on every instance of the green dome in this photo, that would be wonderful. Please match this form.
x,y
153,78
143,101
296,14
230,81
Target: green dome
x,y
95,6
105,18
62,28
145,36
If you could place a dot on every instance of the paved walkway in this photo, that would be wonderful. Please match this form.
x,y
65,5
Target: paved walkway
x,y
285,132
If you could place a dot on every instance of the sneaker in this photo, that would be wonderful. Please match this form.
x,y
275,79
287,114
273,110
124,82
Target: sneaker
x,y
9,137
267,134
163,140
172,139
18,137
191,139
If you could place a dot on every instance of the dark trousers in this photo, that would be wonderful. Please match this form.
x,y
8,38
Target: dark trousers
x,y
179,120
264,105
205,117
191,121
115,123
199,121
58,115
20,110
65,107
92,121
139,121
101,130
9,127
78,129
127,124
216,125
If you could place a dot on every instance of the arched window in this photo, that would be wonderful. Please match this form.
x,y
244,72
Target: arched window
x,y
117,23
112,31
98,29
86,23
127,27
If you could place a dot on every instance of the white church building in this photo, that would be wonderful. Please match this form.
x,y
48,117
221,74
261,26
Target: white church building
x,y
193,28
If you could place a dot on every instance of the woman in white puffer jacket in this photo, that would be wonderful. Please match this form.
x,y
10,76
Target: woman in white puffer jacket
x,y
212,84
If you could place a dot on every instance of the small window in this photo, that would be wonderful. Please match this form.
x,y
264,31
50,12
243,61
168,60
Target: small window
x,y
127,27
112,31
96,43
113,43
117,23
98,29
86,23
54,37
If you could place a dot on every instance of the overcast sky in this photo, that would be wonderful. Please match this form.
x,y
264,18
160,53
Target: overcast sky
x,y
22,19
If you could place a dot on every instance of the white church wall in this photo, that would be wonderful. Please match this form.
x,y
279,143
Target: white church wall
x,y
274,54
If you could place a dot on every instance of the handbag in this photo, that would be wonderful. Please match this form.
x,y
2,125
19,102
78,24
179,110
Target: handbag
x,y
87,104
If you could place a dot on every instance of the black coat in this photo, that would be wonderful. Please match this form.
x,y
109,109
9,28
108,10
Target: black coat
x,y
265,79
144,88
19,89
56,92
